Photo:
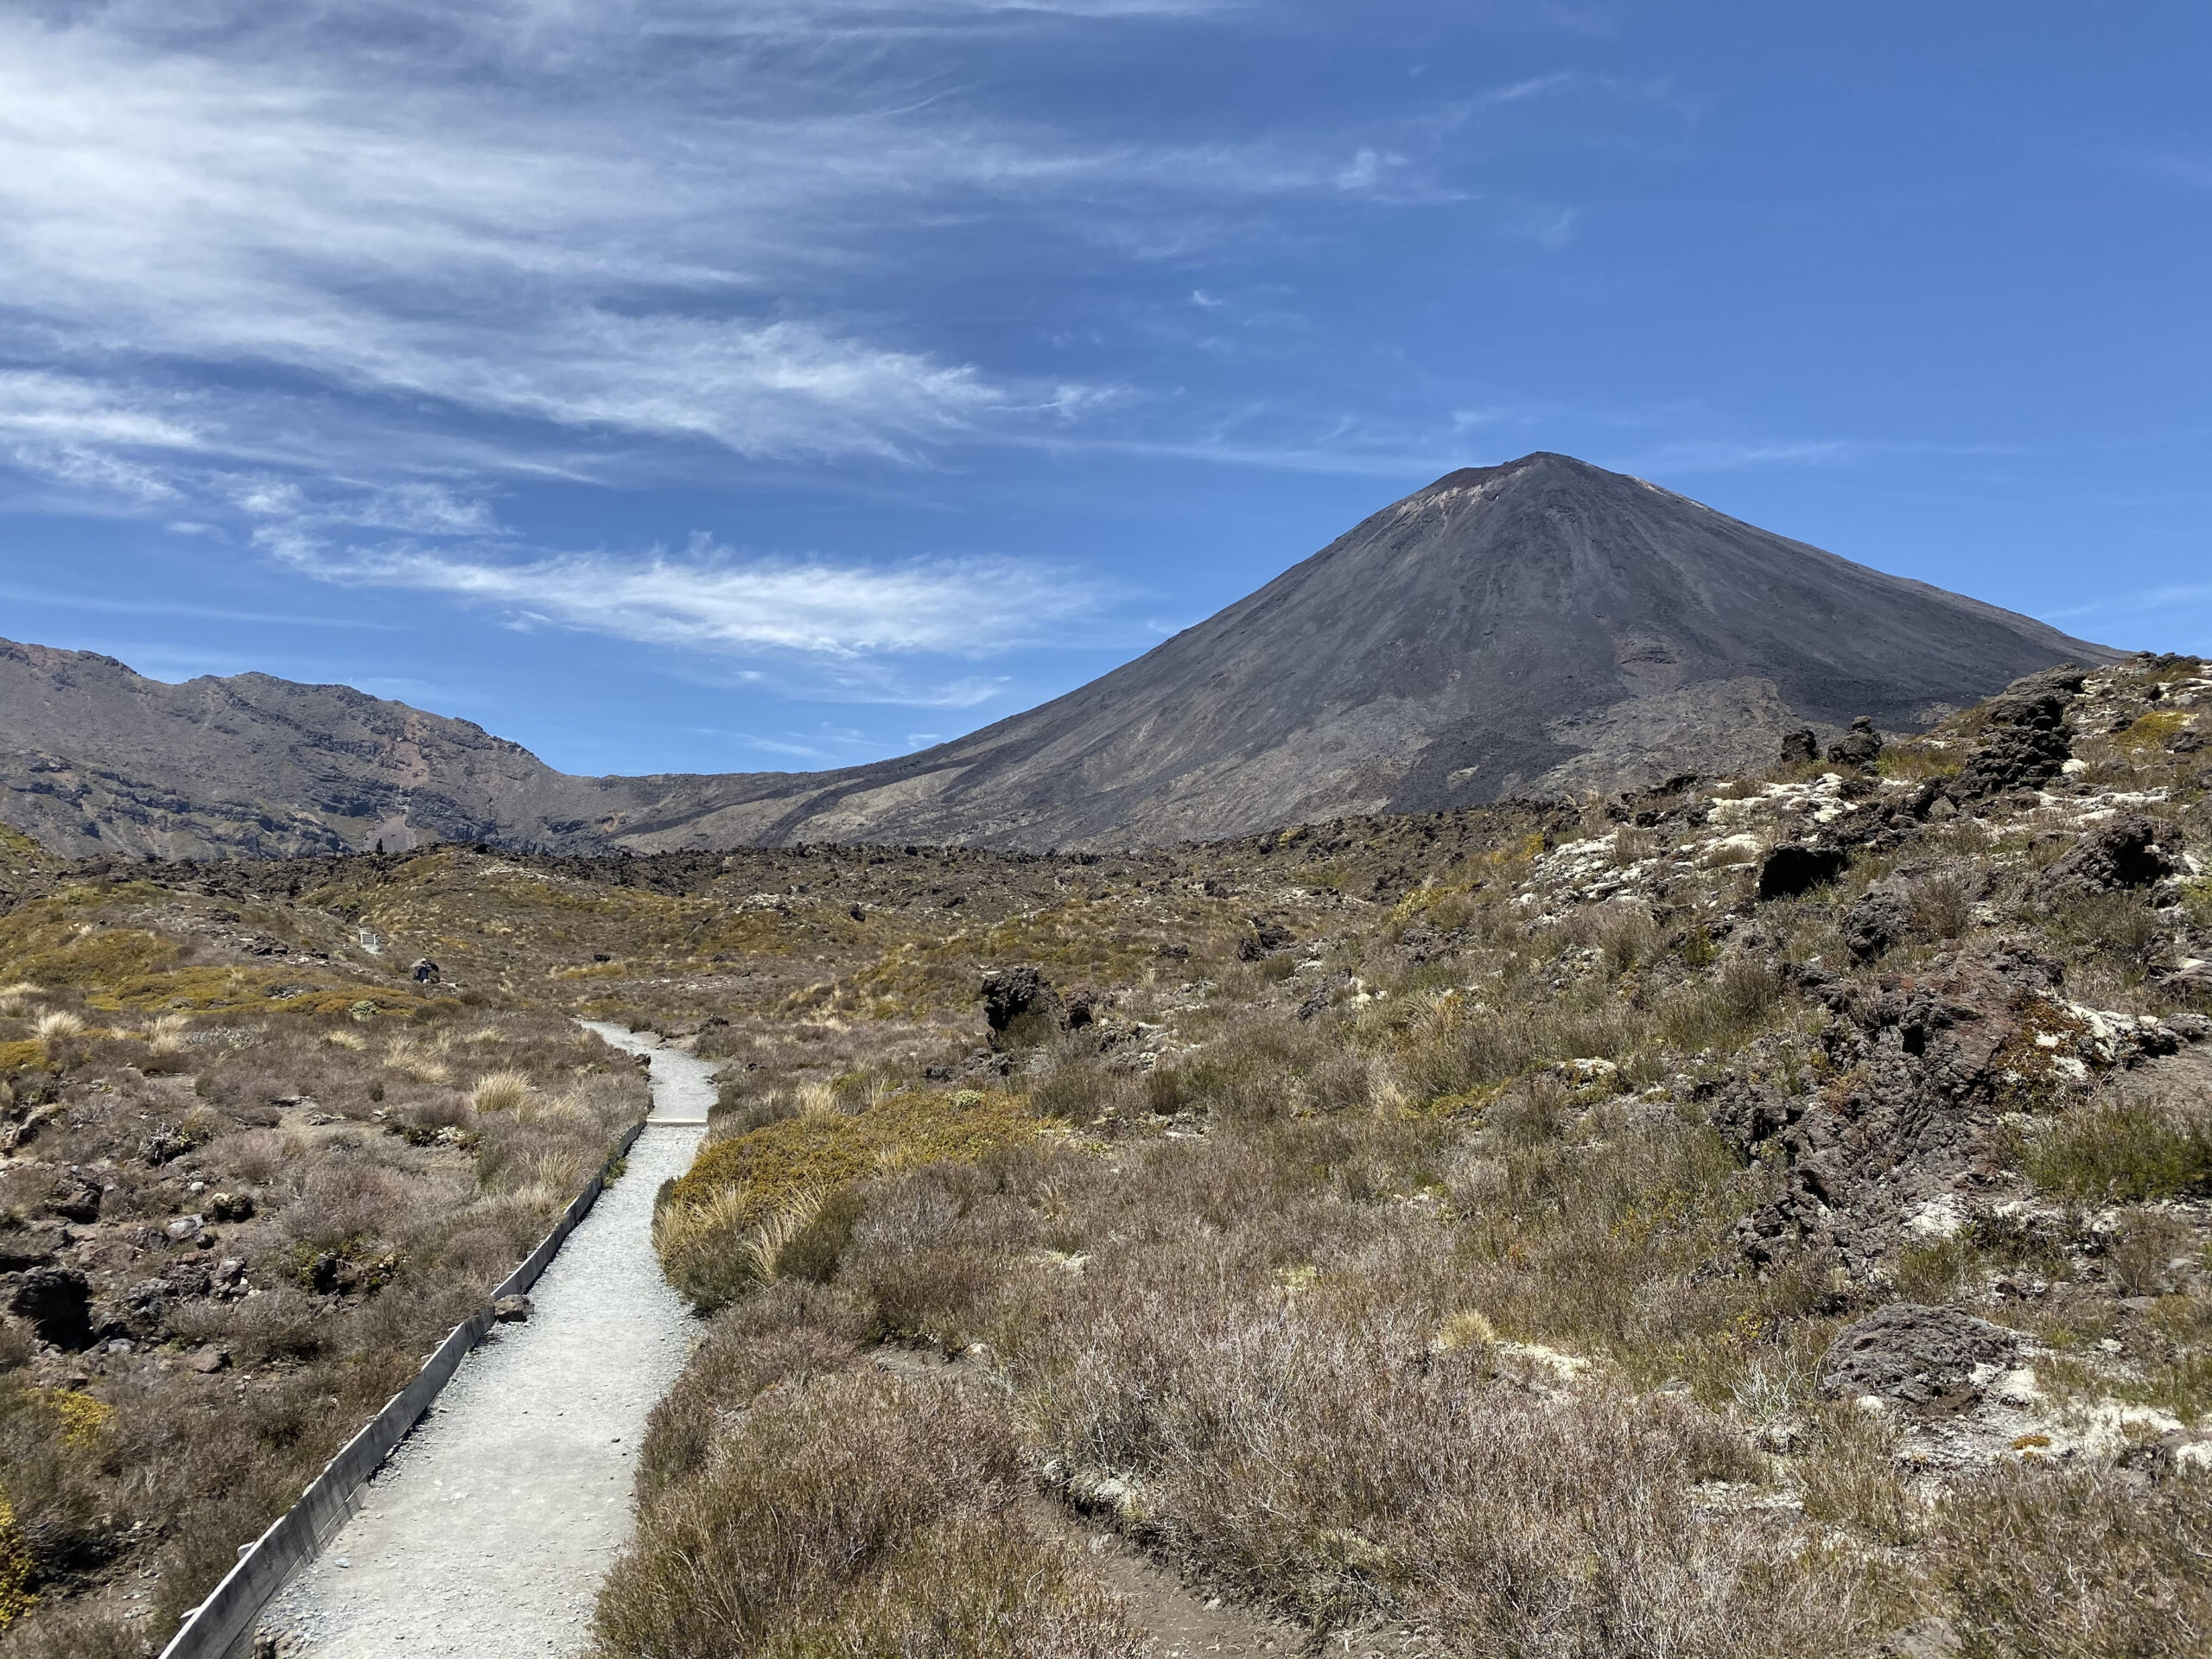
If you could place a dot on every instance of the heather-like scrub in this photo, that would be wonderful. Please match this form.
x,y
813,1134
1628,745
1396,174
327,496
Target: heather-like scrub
x,y
852,1512
1322,1448
2081,1562
1379,1245
274,1220
1405,1276
2125,1148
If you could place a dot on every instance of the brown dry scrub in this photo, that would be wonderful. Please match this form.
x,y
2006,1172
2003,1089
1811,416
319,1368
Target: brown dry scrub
x,y
291,1218
845,1512
1333,1460
2081,1562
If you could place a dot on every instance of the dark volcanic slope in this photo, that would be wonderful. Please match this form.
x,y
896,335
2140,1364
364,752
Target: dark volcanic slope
x,y
1537,627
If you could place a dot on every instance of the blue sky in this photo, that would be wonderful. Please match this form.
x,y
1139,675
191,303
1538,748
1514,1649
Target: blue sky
x,y
679,386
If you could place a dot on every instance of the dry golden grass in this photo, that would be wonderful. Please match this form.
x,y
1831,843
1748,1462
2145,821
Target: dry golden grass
x,y
501,1091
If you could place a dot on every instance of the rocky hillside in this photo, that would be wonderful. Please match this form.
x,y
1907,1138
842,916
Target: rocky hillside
x,y
1539,628
95,758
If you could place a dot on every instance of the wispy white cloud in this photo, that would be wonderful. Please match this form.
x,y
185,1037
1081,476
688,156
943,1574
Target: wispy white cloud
x,y
61,599
2143,601
337,280
713,599
590,217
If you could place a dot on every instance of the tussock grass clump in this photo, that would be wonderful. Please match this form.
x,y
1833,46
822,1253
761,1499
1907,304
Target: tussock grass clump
x,y
56,1022
722,1226
501,1091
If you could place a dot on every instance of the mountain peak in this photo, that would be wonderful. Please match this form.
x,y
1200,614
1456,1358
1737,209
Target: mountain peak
x,y
1539,626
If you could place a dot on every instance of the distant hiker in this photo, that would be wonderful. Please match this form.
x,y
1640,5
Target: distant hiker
x,y
426,972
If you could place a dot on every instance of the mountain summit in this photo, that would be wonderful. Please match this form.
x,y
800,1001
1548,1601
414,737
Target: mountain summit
x,y
1540,627
1537,627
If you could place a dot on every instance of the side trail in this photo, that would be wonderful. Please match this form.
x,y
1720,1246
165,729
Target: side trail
x,y
487,1532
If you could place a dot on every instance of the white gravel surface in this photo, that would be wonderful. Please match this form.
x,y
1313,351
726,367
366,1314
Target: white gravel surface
x,y
487,1532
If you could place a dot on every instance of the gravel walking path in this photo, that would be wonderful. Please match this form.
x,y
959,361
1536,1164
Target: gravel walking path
x,y
487,1532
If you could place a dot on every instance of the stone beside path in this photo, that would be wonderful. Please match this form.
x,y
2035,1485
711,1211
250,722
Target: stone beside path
x,y
487,1532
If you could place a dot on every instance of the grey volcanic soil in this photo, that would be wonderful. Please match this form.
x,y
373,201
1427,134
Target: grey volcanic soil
x,y
487,1532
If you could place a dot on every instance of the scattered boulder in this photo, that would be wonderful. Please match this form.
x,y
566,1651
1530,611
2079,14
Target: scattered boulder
x,y
24,1247
2025,742
163,1144
1860,746
2124,851
1021,1007
58,1302
1799,867
230,1207
1800,747
208,1361
1876,922
1265,936
1923,1358
512,1310
79,1199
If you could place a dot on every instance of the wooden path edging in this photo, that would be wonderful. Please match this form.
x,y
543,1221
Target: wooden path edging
x,y
221,1627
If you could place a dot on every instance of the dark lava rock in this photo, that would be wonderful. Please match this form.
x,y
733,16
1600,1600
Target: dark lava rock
x,y
2025,744
2124,851
1021,1007
1860,746
1922,1357
1800,747
24,1247
58,1303
326,1273
1263,937
1875,923
1920,1075
78,1200
230,1207
1796,866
